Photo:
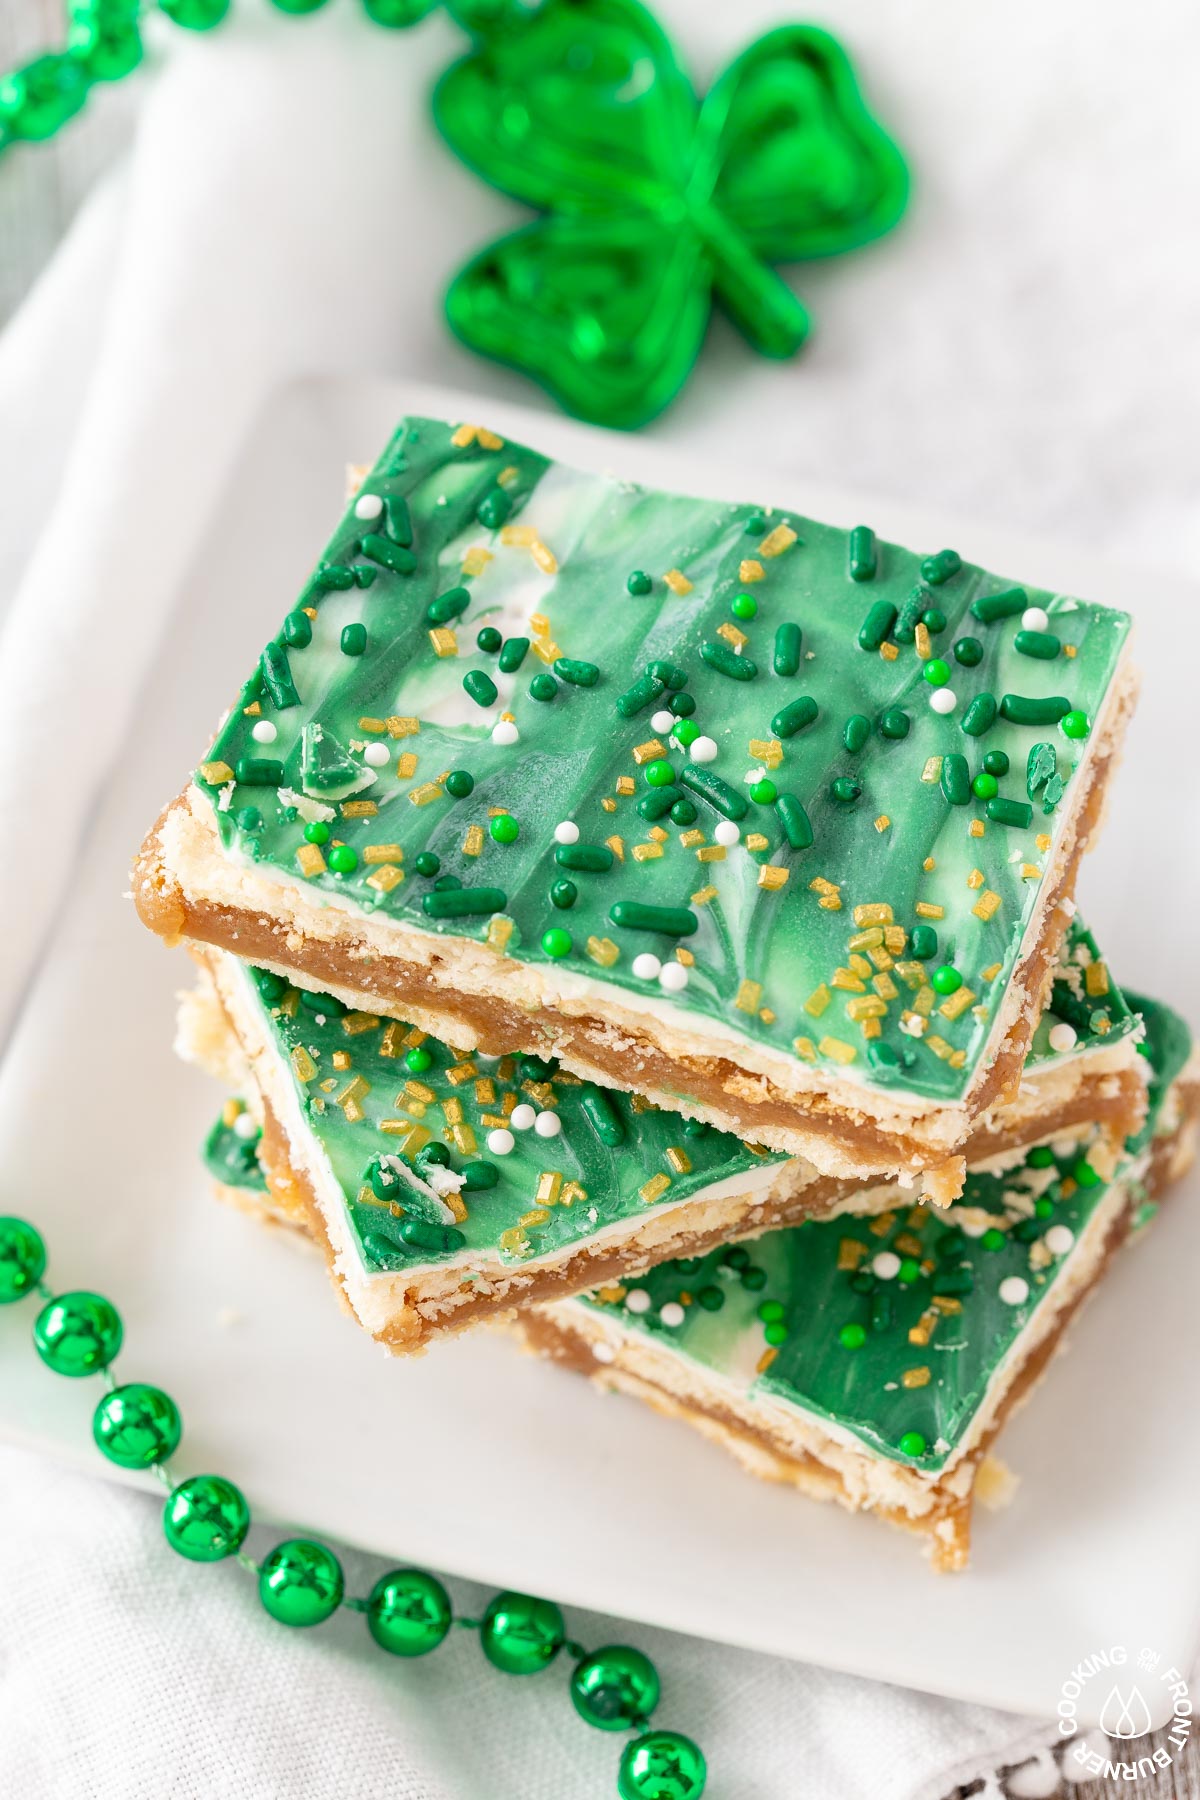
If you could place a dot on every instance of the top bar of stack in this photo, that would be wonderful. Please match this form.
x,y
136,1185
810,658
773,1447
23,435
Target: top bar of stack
x,y
773,823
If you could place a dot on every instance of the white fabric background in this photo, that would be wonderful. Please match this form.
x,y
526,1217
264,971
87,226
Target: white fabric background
x,y
1024,348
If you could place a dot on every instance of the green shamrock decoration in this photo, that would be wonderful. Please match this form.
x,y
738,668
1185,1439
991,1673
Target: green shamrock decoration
x,y
655,203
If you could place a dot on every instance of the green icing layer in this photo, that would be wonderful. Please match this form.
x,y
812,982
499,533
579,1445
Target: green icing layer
x,y
472,579
370,1088
231,1156
811,1315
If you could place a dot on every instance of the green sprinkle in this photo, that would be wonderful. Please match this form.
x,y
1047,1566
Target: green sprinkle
x,y
968,651
504,829
418,1060
985,787
317,832
912,1444
856,731
659,773
258,771
427,863
272,987
248,819
1074,724
353,639
557,942
1040,644
343,860
331,576
946,979
513,652
726,661
448,606
934,620
1085,1175
464,902
577,674
876,625
909,616
489,640
864,559
1005,605
775,1335
992,1239
770,1311
645,690
755,523
595,858
1009,812
936,672
685,732
996,762
493,509
924,943
682,705
797,828
980,716
796,716
845,789
399,520
396,557
479,1175
277,676
894,723
852,1337
563,894
433,1240
1024,709
956,779
297,629
744,606
1041,1157
764,792
635,915
717,792
712,1299
481,687
938,569
683,812
460,783
601,1114
638,582
656,802
543,687
671,673
908,1271
786,657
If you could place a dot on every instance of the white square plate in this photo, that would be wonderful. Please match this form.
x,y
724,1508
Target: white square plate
x,y
474,1458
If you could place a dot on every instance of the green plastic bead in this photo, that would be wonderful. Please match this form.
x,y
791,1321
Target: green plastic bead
x,y
543,687
206,1518
353,639
985,787
136,1426
22,1259
249,820
1085,1175
684,812
969,652
775,1334
195,15
744,606
946,979
489,640
504,829
77,1333
564,894
682,705
301,1583
460,783
852,1337
685,732
662,1765
638,582
770,1311
418,1059
894,723
659,773
520,1634
557,942
912,1444
996,762
615,1688
408,1612
764,793
845,789
992,1239
908,1271
934,620
1040,1157
427,863
271,986
343,860
936,672
317,832
1075,724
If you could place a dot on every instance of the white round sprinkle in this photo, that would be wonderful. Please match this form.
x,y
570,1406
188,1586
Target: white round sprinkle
x,y
522,1118
637,1300
671,1314
500,1142
1063,1036
971,1228
603,1352
664,721
1014,1290
886,1265
547,1124
1034,618
646,966
727,832
376,754
504,731
263,732
703,750
368,506
566,832
245,1125
674,977
943,700
1059,1239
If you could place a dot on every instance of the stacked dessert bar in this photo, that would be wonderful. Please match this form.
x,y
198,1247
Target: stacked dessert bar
x,y
650,921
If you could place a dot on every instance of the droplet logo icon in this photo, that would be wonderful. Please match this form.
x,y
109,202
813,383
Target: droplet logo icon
x,y
1125,1717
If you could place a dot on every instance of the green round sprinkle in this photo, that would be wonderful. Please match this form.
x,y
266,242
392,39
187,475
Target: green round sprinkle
x,y
1085,1175
556,942
908,1271
936,672
1005,605
924,943
297,629
992,1239
775,1334
343,860
659,773
1042,645
418,1059
1025,709
770,1311
504,829
856,731
543,687
1043,1208
685,733
796,716
764,792
448,606
493,509
1009,812
1075,724
980,716
754,1278
876,625
353,639
934,620
744,606
969,652
464,902
682,705
317,832
635,915
271,986
725,660
248,819
638,582
845,789
513,652
894,723
985,787
946,979
481,687
797,827
711,1298
683,812
912,1444
578,674
563,894
460,783
786,657
852,1337
755,524
996,762
427,863
489,640
737,1256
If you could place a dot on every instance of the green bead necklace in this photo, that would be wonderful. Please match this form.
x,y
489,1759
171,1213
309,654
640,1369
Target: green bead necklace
x,y
301,1582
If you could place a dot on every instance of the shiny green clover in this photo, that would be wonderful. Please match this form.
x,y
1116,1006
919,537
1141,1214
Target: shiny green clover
x,y
654,203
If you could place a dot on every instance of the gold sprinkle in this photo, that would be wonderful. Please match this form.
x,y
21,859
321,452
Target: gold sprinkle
x,y
684,956
383,853
755,841
940,1047
677,581
373,727
859,964
537,1216
765,1360
678,1159
499,931
658,834
923,642
1030,872
975,828
768,751
766,1015
916,1378
737,639
929,865
444,642
882,822
850,1253
354,1024
602,950
456,1074
749,996
399,726
571,1192
804,1046
926,909
987,905
626,784
617,846
975,879
406,765
878,913
464,436
777,541
341,1059
831,902
252,711
895,937
216,772
885,987
868,939
750,569
655,1188
485,1091
310,859
1043,841
303,1066
651,751
525,535
472,844
817,1001
772,877
689,839
546,650
549,1187
957,1003
1095,979
358,809
991,972
608,804
933,769
427,791
514,1241
545,558
539,625
837,1050
866,1006
416,1090
848,981
704,895
711,853
1070,650
819,885
351,1097
646,852
476,560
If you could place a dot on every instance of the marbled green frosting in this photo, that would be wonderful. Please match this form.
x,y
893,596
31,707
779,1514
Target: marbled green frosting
x,y
374,660
359,1097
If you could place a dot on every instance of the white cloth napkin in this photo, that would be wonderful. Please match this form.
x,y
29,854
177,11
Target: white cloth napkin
x,y
287,209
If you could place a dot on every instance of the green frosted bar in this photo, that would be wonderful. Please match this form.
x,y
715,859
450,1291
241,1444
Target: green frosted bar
x,y
392,556
602,1116
579,674
655,803
1041,644
464,902
277,677
513,652
717,792
399,520
595,858
481,687
635,915
938,569
642,694
956,779
876,625
1023,709
478,1176
786,660
796,716
1005,605
437,1240
1009,812
864,557
856,731
726,661
909,616
447,606
258,771
980,716
797,827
